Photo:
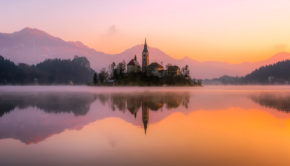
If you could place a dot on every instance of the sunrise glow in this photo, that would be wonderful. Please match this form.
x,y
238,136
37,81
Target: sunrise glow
x,y
229,31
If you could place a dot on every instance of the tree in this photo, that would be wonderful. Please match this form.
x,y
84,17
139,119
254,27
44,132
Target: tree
x,y
168,65
112,70
122,67
103,75
95,79
185,72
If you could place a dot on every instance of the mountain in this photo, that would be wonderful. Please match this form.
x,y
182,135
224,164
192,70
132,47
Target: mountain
x,y
277,73
32,46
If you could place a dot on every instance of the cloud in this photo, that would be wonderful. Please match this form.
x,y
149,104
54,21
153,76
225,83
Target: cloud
x,y
112,30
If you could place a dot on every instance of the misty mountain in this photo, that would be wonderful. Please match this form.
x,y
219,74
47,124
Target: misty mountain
x,y
32,46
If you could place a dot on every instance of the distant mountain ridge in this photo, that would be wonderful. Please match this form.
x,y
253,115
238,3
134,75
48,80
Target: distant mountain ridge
x,y
32,46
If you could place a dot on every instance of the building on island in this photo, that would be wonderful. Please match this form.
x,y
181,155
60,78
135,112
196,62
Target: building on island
x,y
153,69
133,66
173,70
145,57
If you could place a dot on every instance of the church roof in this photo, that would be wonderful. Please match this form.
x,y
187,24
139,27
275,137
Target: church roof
x,y
133,62
155,65
173,68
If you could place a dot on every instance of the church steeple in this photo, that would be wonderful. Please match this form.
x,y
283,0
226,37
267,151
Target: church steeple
x,y
145,57
145,46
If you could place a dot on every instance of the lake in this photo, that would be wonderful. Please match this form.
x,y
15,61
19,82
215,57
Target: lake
x,y
80,125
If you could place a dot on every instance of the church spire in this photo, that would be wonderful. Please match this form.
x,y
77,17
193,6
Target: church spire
x,y
145,46
145,57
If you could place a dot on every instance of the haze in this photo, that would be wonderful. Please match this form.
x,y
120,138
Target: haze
x,y
220,30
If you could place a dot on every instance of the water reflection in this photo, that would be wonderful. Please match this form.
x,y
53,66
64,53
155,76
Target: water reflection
x,y
277,101
44,114
47,113
33,117
145,102
76,103
192,127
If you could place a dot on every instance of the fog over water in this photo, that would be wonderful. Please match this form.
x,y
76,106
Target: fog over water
x,y
81,125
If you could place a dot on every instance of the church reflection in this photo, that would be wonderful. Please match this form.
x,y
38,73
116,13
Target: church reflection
x,y
145,102
145,117
43,114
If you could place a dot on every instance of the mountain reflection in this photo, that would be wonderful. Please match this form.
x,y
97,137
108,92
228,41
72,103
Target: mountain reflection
x,y
33,117
279,102
145,102
76,103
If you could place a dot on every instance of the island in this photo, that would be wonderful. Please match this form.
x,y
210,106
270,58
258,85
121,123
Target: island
x,y
153,74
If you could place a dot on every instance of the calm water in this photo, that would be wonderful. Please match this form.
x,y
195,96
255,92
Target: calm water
x,y
231,125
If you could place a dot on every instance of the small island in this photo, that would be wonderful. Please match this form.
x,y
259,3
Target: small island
x,y
154,74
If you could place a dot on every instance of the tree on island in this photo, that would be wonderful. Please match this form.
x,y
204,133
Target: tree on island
x,y
103,76
95,79
185,72
122,68
117,75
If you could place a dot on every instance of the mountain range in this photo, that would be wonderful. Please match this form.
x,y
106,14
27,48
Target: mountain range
x,y
32,46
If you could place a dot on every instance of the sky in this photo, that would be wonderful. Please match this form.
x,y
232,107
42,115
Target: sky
x,y
205,30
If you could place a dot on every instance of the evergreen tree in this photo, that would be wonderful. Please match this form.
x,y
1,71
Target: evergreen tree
x,y
95,79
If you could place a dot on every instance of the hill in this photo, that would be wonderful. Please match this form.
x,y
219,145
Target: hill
x,y
51,71
277,73
32,46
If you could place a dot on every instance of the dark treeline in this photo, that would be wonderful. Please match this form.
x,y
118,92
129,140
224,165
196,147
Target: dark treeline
x,y
278,73
51,71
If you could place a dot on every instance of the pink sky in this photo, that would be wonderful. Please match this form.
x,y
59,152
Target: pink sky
x,y
221,30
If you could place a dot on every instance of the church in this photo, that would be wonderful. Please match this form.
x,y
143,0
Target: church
x,y
153,69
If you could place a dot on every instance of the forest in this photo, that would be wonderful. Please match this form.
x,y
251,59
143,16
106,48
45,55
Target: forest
x,y
48,72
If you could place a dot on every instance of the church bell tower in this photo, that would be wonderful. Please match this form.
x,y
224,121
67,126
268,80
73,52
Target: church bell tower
x,y
145,57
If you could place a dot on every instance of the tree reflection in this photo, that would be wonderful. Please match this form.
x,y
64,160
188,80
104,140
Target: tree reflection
x,y
146,102
36,127
279,102
76,103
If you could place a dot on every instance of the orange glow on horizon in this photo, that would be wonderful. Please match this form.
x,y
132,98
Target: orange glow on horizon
x,y
220,136
226,31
